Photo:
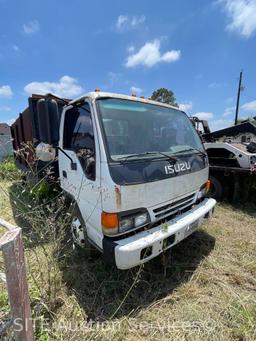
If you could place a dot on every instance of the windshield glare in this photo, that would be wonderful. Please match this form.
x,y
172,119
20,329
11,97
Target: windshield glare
x,y
133,128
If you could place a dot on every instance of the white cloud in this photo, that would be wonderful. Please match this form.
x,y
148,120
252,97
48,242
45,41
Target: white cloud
x,y
229,111
121,22
127,23
204,115
31,27
65,87
250,106
6,91
216,123
170,56
136,90
10,121
137,20
220,124
185,106
242,14
149,55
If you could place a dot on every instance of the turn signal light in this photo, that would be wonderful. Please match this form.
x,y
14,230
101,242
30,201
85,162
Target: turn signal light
x,y
208,185
109,222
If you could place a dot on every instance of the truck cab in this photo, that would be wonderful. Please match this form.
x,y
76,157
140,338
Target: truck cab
x,y
137,172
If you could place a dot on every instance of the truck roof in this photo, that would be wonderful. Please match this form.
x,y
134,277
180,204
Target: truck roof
x,y
100,94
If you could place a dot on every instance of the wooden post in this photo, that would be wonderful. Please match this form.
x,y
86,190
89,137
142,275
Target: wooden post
x,y
13,253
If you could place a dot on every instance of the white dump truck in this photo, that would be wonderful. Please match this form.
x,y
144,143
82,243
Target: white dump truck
x,y
135,169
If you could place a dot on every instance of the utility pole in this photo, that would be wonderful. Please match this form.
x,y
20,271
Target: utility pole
x,y
238,96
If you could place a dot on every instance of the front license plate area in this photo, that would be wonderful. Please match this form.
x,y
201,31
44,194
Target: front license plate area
x,y
191,228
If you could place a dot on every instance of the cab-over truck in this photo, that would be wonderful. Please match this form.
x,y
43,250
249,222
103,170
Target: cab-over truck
x,y
135,169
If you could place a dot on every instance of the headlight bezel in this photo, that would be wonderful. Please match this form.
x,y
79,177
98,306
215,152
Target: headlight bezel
x,y
114,224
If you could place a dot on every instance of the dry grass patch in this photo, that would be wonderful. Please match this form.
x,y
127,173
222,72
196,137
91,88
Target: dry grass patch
x,y
5,205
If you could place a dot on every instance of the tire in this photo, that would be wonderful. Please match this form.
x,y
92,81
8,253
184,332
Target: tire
x,y
78,233
216,189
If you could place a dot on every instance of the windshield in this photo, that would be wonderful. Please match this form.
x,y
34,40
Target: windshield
x,y
136,130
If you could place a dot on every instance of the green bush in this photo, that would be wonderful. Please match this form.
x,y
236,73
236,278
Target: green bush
x,y
44,190
8,169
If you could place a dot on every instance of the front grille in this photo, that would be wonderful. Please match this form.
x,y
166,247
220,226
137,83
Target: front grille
x,y
174,207
162,215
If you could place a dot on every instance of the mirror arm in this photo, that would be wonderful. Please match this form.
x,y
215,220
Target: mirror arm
x,y
73,164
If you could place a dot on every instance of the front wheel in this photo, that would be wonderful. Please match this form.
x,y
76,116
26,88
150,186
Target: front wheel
x,y
78,233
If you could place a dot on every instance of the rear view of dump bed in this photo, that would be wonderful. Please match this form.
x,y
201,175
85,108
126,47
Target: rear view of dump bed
x,y
39,122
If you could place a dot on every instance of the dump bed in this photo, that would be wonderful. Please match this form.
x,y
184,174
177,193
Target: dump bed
x,y
27,131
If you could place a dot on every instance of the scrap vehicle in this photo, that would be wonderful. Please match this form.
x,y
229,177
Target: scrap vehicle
x,y
232,156
135,170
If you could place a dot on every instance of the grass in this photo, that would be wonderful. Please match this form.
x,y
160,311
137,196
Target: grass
x,y
205,289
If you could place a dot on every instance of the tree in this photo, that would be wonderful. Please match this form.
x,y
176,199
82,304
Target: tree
x,y
164,95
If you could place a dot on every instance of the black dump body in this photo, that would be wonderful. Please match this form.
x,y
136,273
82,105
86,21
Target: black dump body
x,y
246,127
39,122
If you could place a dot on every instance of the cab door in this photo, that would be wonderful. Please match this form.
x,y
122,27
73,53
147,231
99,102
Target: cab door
x,y
79,165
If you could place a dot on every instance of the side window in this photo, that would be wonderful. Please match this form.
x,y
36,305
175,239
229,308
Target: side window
x,y
78,129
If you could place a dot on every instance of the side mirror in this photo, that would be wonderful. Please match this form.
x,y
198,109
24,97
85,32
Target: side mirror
x,y
47,117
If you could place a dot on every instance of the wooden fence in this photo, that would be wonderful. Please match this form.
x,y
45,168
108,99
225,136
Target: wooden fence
x,y
19,319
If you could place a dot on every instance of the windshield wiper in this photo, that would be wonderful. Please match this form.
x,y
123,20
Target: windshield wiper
x,y
171,158
191,149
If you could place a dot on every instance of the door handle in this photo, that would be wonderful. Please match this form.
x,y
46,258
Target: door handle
x,y
64,173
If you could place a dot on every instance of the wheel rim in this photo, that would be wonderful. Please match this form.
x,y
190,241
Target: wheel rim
x,y
77,231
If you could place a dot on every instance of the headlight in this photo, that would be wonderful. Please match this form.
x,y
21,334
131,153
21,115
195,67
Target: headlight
x,y
125,224
114,223
141,219
135,220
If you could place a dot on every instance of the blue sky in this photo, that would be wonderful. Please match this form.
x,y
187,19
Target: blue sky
x,y
195,48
